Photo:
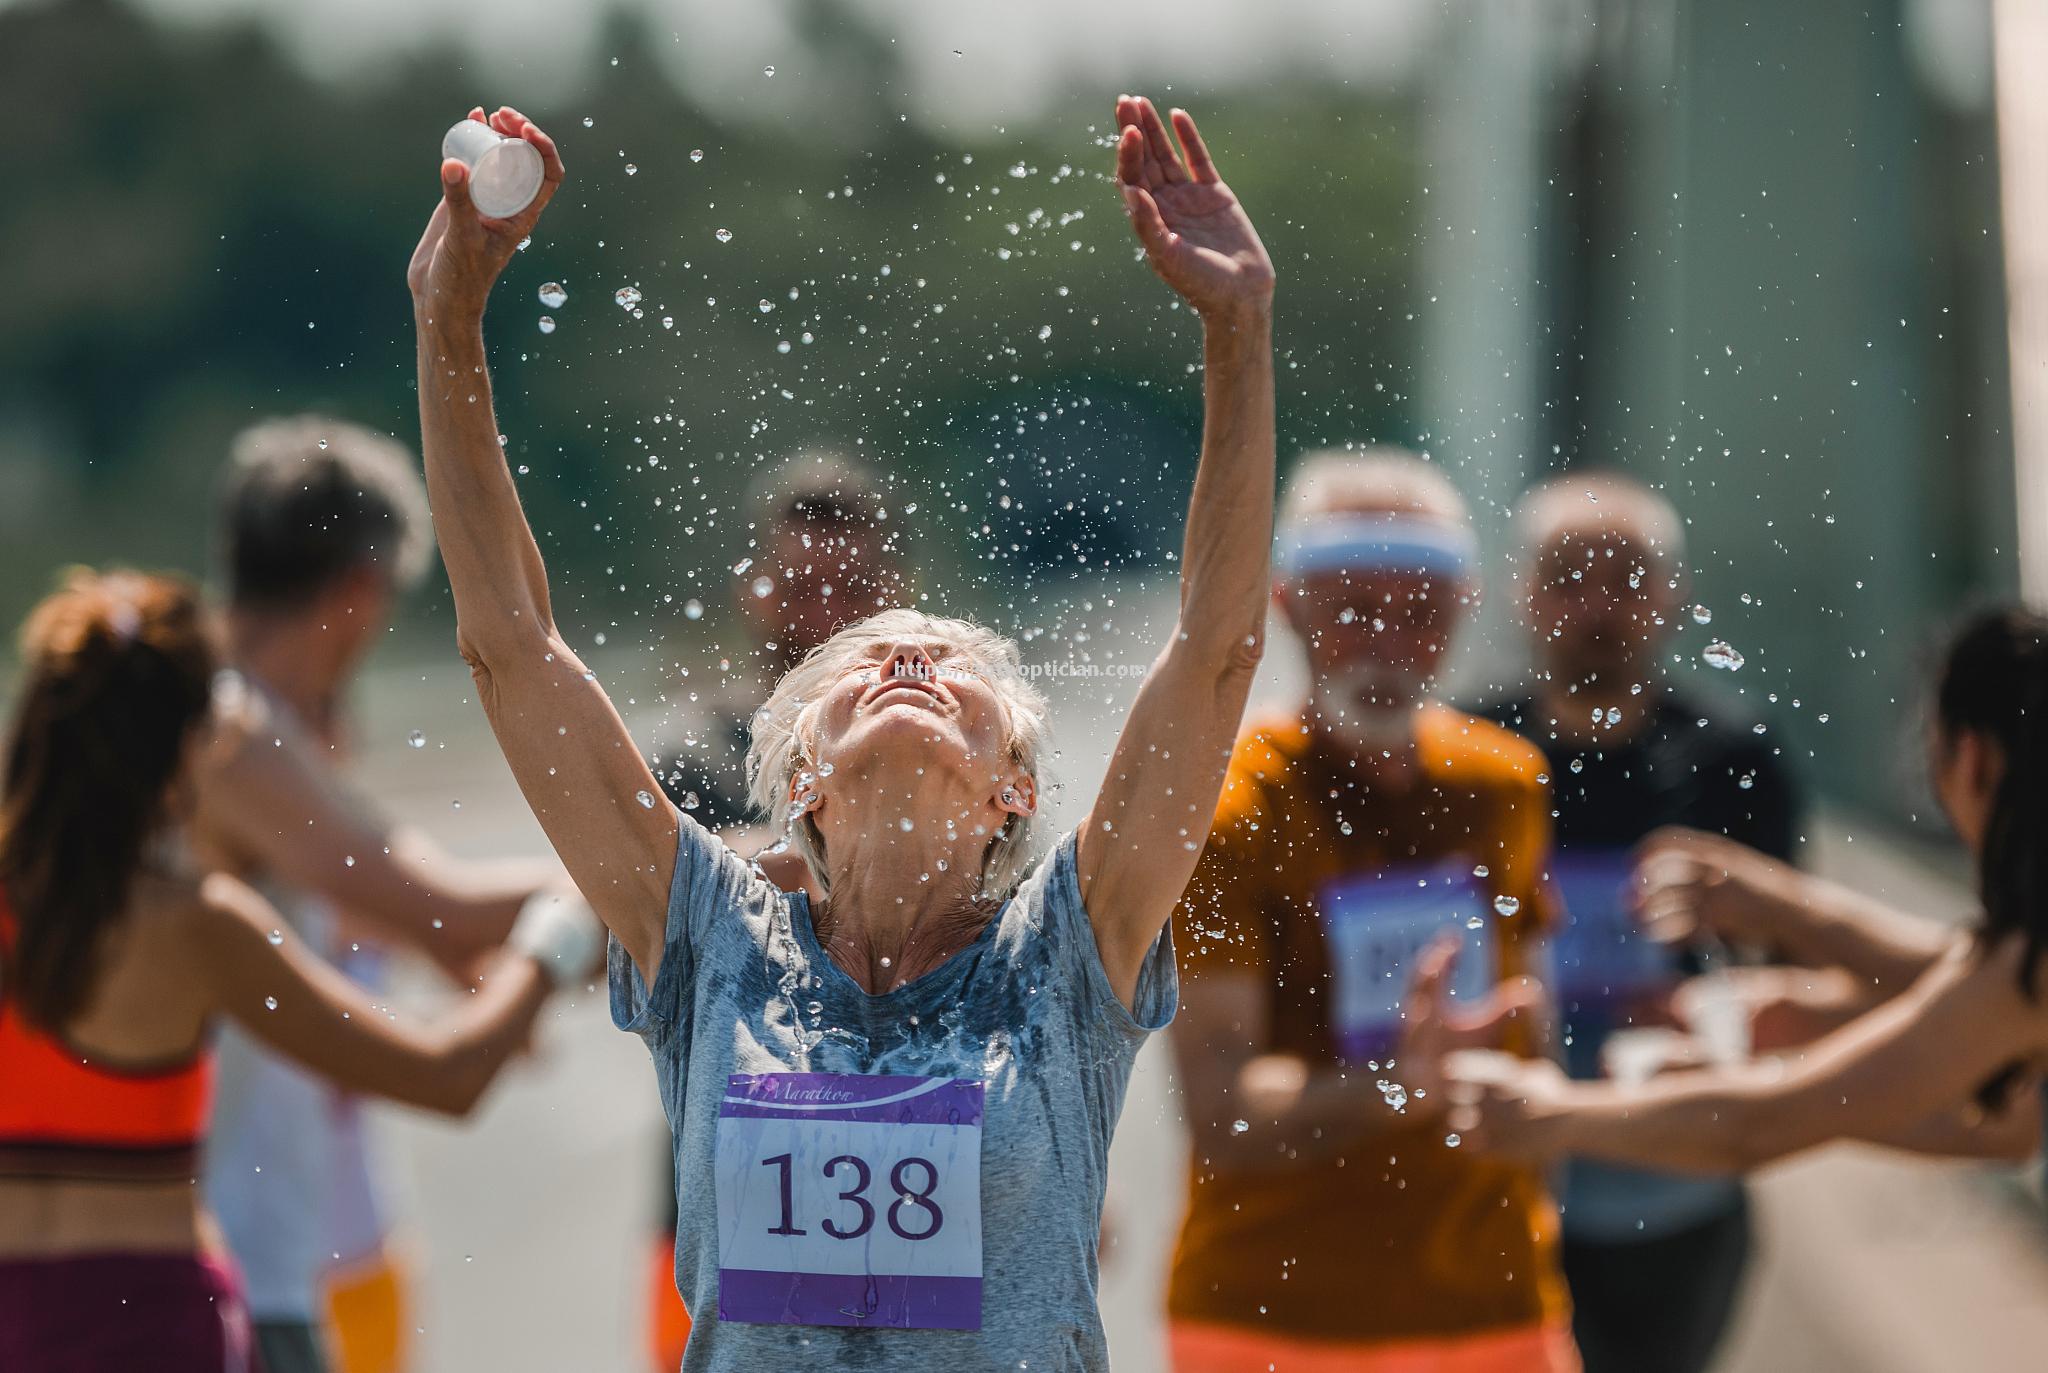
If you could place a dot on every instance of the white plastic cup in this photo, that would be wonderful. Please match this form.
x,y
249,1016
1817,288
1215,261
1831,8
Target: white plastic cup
x,y
1719,1017
504,173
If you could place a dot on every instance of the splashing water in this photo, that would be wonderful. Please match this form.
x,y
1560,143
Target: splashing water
x,y
1722,655
627,297
553,296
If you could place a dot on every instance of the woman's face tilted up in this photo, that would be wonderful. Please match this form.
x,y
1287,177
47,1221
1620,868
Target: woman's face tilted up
x,y
914,727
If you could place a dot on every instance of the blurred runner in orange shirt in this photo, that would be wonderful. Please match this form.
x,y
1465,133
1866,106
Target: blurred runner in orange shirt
x,y
1332,1224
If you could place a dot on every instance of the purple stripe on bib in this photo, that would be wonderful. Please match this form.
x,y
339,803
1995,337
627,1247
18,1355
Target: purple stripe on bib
x,y
885,1301
841,1096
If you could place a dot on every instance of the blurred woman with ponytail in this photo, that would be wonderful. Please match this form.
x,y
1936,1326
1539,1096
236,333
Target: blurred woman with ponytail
x,y
1950,1064
116,960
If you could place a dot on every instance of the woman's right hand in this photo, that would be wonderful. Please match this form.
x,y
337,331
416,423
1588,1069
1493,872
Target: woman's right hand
x,y
463,250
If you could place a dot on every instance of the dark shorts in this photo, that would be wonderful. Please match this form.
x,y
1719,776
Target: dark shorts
x,y
1657,1305
116,1313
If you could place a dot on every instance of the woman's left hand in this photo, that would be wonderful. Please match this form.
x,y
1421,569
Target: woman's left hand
x,y
1195,234
1500,1104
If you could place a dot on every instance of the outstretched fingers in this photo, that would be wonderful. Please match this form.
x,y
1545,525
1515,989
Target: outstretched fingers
x,y
1158,143
1199,162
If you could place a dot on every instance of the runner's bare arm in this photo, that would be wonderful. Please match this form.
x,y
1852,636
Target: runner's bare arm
x,y
1918,1054
1690,880
569,750
1142,837
264,800
281,993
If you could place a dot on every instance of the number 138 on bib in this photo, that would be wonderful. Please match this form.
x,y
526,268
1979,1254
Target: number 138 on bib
x,y
848,1199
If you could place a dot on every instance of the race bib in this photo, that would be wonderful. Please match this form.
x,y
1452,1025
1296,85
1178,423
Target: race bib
x,y
1374,925
1602,957
849,1199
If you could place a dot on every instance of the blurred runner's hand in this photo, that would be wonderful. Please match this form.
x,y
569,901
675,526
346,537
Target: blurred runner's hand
x,y
1432,1029
1500,1104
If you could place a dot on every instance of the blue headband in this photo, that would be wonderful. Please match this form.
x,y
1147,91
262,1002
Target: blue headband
x,y
1380,542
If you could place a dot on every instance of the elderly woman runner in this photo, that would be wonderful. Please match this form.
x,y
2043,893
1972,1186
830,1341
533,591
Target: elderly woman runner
x,y
892,1110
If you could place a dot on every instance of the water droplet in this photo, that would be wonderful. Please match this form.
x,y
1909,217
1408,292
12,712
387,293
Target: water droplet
x,y
766,306
269,1003
645,798
1578,765
1722,655
348,860
627,297
691,800
1507,905
696,154
1395,1094
1451,1141
588,121
739,569
1019,171
693,609
767,71
1474,922
1238,1127
1481,870
275,936
723,235
553,296
417,739
632,170
887,964
1701,615
547,324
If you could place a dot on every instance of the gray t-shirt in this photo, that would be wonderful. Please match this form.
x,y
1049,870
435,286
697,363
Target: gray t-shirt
x,y
1027,1009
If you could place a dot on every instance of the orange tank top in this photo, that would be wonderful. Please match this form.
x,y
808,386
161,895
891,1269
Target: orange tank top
x,y
65,1114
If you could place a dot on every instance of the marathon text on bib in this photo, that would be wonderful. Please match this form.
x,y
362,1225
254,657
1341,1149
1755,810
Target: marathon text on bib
x,y
850,1199
1374,925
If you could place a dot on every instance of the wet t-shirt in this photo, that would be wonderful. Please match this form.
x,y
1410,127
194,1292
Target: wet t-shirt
x,y
1025,1017
1324,888
1690,765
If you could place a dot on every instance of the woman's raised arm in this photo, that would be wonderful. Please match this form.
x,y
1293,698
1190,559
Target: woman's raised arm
x,y
588,785
1140,842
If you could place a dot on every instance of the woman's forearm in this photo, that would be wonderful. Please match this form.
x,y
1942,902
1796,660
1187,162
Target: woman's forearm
x,y
494,565
1224,570
1705,1122
1840,928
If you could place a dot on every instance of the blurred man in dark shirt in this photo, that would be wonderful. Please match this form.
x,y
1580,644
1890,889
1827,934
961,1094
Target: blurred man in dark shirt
x,y
1654,1260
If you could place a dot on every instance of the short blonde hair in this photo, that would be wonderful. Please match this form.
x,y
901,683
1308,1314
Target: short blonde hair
x,y
1328,481
784,740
